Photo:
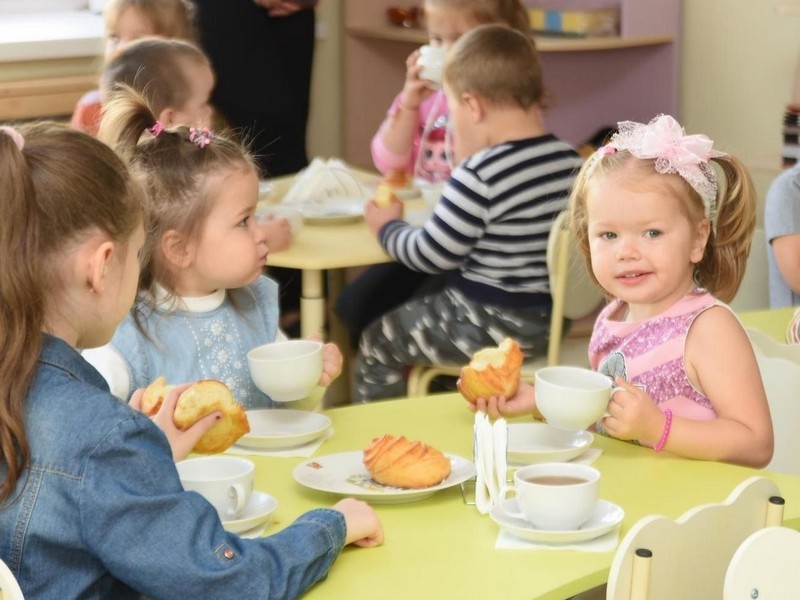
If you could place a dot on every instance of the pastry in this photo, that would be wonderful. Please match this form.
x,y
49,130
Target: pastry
x,y
198,400
400,462
384,195
492,372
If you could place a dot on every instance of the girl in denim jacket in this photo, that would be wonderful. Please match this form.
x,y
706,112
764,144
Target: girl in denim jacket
x,y
91,505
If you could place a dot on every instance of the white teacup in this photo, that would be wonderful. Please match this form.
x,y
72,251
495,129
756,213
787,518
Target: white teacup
x,y
431,61
554,496
286,371
572,398
225,481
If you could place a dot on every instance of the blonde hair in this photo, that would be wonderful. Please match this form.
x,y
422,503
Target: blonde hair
x,y
495,63
722,267
170,18
509,12
60,186
156,68
175,172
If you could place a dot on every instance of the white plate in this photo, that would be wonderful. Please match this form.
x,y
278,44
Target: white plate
x,y
333,210
272,429
257,512
539,442
605,516
346,475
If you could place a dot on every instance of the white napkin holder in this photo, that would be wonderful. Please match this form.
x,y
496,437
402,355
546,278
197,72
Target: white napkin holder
x,y
324,179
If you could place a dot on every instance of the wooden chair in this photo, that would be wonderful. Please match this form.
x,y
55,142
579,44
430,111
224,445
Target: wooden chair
x,y
574,294
780,371
764,566
9,588
662,559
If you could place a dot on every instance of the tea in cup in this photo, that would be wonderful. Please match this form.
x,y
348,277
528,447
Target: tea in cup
x,y
431,61
225,481
286,371
572,398
554,496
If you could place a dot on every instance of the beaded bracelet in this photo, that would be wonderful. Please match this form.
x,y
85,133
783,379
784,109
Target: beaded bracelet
x,y
664,434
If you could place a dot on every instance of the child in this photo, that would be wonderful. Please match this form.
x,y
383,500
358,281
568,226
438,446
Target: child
x,y
661,239
126,21
489,230
202,303
90,502
413,138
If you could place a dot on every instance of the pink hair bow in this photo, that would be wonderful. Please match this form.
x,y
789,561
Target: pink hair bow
x,y
664,141
201,137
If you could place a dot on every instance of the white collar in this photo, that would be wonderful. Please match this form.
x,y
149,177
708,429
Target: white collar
x,y
193,304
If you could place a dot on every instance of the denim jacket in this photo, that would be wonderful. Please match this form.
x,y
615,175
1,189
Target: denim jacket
x,y
100,511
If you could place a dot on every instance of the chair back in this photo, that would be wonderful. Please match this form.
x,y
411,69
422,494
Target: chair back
x,y
9,588
574,293
662,559
780,372
764,566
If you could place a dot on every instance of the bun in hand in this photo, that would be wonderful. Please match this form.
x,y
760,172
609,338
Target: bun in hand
x,y
492,372
402,463
198,400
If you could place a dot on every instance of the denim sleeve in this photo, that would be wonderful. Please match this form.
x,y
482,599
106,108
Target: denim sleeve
x,y
168,543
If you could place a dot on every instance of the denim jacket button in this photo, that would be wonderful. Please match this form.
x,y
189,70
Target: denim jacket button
x,y
229,553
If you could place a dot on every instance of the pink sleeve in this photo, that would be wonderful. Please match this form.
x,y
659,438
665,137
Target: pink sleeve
x,y
385,160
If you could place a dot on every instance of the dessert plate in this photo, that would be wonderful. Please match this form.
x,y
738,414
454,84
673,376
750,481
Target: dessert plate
x,y
257,512
345,474
605,516
539,442
333,211
272,429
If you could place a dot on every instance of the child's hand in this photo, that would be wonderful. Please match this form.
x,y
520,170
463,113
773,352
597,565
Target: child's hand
x,y
278,233
415,90
363,526
377,216
523,403
331,364
633,414
181,442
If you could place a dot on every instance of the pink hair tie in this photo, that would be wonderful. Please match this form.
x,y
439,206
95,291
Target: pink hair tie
x,y
201,137
14,135
606,150
156,129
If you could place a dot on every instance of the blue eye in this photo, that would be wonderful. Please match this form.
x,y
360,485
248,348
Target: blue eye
x,y
652,233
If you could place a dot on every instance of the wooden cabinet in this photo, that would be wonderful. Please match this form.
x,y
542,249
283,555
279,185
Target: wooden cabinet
x,y
592,82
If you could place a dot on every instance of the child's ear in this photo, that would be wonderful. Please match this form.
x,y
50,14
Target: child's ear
x,y
167,117
177,250
97,270
702,231
475,105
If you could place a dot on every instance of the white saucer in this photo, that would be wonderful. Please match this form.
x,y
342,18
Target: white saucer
x,y
257,512
539,442
332,211
272,429
605,516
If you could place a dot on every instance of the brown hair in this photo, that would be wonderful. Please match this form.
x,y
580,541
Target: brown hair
x,y
60,186
170,18
722,267
509,12
154,67
175,173
495,63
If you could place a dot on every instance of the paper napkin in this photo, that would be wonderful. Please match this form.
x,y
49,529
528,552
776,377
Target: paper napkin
x,y
490,444
605,543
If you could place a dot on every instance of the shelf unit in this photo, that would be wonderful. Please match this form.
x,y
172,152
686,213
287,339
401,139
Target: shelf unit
x,y
592,82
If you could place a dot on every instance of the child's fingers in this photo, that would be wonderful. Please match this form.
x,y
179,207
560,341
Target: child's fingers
x,y
136,400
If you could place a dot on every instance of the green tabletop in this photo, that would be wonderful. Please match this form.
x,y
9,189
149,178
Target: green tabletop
x,y
440,547
774,321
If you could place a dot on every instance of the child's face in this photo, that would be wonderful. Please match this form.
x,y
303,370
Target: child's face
x,y
196,112
231,250
131,25
643,245
447,24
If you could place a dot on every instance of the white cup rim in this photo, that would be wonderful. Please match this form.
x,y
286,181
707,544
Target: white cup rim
x,y
189,469
565,469
591,381
312,347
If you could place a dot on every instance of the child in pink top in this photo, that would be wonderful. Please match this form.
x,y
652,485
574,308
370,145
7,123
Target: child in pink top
x,y
648,217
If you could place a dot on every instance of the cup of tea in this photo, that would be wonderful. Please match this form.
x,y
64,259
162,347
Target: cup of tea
x,y
554,496
225,481
572,398
431,61
286,371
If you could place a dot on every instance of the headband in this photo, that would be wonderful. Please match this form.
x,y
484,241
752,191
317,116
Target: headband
x,y
665,141
14,135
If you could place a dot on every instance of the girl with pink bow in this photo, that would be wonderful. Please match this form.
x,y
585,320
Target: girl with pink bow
x,y
669,247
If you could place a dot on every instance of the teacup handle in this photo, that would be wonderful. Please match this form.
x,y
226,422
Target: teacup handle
x,y
517,514
237,491
614,390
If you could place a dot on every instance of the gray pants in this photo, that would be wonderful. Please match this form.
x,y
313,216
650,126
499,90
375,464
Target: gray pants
x,y
439,329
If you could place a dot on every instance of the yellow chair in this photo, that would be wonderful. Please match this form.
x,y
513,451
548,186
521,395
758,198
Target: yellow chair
x,y
9,588
662,559
574,294
764,566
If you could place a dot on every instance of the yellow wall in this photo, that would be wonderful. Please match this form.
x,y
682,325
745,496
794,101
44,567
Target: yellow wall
x,y
324,127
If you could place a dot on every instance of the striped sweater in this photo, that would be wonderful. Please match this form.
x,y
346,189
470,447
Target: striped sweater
x,y
489,230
